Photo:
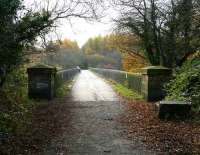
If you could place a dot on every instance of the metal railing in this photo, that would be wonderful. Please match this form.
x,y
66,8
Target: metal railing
x,y
133,81
67,75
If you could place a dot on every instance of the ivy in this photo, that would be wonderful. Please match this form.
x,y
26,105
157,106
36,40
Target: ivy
x,y
185,85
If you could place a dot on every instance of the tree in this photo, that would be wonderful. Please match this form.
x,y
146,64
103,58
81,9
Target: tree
x,y
140,20
94,45
129,45
17,32
66,43
99,53
166,28
126,43
133,63
20,26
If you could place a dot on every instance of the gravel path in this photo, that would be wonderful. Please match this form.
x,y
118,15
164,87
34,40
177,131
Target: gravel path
x,y
93,128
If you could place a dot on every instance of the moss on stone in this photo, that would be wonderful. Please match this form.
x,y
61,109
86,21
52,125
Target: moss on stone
x,y
40,65
156,70
42,68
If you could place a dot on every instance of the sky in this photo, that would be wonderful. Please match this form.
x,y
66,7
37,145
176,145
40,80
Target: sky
x,y
80,30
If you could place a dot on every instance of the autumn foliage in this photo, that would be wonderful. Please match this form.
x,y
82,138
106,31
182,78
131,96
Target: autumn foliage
x,y
129,46
69,44
133,64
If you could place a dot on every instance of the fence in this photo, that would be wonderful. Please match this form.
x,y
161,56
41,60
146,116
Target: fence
x,y
133,81
149,83
66,75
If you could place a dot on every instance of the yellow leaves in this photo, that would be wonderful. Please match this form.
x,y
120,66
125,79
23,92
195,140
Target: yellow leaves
x,y
130,46
133,64
69,44
124,42
95,45
88,51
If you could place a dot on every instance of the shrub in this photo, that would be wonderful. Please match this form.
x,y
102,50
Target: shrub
x,y
14,103
186,83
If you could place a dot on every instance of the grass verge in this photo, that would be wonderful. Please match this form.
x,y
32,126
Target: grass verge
x,y
126,92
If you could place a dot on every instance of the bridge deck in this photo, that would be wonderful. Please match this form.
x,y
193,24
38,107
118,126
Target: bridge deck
x,y
94,129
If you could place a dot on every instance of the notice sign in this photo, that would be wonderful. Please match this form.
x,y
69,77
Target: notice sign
x,y
42,85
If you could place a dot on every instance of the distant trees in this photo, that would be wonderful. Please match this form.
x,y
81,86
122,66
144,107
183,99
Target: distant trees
x,y
99,53
67,43
115,51
169,30
96,45
65,54
65,59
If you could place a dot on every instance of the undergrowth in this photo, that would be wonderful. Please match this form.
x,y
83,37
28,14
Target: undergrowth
x,y
14,104
185,85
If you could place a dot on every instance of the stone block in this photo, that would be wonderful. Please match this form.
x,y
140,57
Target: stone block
x,y
153,80
156,70
41,81
173,109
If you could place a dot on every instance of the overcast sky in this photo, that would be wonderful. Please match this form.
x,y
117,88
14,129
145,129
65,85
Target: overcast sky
x,y
80,30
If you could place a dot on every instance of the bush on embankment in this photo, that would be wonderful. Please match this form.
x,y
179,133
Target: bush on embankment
x,y
14,103
185,85
16,107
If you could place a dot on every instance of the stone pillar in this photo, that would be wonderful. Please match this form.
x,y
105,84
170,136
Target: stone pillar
x,y
41,81
153,80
